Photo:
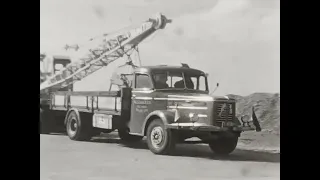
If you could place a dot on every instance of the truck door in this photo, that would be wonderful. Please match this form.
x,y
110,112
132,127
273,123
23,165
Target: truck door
x,y
141,102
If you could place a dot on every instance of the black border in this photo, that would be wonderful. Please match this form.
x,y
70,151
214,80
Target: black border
x,y
20,23
298,79
299,82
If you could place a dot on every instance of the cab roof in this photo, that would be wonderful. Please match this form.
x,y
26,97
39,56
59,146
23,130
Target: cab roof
x,y
60,57
161,68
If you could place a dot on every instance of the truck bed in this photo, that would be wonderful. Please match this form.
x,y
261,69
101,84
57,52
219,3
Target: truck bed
x,y
108,102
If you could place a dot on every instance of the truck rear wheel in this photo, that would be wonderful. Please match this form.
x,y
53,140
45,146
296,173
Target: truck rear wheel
x,y
78,129
125,136
224,146
160,140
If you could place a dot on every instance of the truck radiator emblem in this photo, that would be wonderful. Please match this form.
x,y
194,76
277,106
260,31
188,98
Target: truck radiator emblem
x,y
223,108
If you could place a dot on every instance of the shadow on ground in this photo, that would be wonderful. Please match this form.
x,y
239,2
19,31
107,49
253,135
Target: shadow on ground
x,y
194,150
198,151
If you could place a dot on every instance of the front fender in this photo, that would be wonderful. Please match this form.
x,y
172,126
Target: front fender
x,y
69,111
166,116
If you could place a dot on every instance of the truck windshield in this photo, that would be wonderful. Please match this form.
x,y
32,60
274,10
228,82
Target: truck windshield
x,y
180,80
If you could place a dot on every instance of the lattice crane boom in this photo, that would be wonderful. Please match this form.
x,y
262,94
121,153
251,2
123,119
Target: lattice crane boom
x,y
108,51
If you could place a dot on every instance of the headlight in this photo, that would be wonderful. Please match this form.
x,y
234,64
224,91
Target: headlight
x,y
245,118
193,117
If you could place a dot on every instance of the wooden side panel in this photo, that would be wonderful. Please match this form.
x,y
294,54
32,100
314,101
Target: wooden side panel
x,y
109,103
78,101
59,101
103,102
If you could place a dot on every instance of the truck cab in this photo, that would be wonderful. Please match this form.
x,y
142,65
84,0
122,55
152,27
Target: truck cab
x,y
51,65
168,89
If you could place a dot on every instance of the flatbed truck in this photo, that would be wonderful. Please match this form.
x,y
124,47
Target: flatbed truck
x,y
165,116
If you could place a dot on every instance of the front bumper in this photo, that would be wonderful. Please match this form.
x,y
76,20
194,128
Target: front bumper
x,y
208,128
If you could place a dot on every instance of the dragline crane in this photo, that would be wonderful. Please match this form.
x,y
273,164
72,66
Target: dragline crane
x,y
110,49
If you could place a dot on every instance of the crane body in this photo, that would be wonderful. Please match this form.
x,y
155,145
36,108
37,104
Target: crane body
x,y
108,51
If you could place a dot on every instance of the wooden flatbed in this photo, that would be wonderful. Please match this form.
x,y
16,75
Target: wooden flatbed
x,y
108,102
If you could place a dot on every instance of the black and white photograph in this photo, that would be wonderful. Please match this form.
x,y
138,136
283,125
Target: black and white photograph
x,y
159,90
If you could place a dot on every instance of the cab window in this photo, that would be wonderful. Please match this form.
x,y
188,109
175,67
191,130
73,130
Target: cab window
x,y
143,81
199,82
58,68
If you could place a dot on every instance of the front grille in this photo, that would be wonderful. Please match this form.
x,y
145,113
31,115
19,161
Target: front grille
x,y
223,111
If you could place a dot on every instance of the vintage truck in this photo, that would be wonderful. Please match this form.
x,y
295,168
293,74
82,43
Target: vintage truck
x,y
165,104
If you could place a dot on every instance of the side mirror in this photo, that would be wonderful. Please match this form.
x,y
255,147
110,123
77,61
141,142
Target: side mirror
x,y
215,89
207,74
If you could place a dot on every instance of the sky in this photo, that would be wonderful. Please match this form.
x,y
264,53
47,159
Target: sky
x,y
236,41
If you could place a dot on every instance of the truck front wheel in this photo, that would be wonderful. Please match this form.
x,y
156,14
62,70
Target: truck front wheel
x,y
78,129
160,140
224,146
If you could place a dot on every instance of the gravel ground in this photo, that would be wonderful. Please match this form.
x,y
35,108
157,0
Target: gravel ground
x,y
106,158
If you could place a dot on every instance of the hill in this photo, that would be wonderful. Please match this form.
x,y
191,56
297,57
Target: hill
x,y
267,108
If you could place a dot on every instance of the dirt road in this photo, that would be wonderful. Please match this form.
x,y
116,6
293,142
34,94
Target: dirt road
x,y
108,159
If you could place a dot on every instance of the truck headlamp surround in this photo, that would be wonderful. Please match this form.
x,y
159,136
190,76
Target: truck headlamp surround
x,y
245,118
193,117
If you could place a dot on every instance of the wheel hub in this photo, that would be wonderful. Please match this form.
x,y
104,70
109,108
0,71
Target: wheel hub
x,y
156,136
73,126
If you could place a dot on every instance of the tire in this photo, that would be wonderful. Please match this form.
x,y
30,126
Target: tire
x,y
78,129
224,146
126,137
164,143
